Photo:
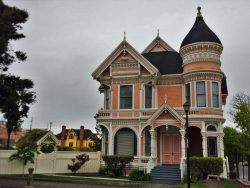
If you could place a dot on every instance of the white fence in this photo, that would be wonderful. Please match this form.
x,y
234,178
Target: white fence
x,y
55,162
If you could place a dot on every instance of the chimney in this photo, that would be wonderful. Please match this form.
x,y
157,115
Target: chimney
x,y
63,135
81,135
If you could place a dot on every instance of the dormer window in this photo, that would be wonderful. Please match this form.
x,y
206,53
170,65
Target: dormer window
x,y
126,97
148,96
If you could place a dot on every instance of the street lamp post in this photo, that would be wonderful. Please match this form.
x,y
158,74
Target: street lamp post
x,y
186,107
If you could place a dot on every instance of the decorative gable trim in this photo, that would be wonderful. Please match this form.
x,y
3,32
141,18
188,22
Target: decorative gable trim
x,y
158,41
168,108
48,135
124,46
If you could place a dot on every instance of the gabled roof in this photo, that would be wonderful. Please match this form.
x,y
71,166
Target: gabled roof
x,y
87,133
49,135
158,41
124,45
167,62
168,108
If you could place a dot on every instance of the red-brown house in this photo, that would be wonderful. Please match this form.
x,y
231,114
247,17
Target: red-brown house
x,y
144,95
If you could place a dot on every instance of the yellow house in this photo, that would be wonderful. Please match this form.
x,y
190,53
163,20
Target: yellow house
x,y
76,138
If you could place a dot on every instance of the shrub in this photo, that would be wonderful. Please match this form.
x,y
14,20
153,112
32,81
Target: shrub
x,y
81,160
65,148
139,175
102,171
116,163
232,175
193,179
200,167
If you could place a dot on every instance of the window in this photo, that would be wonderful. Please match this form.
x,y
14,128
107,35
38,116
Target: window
x,y
126,97
200,94
211,128
125,142
148,96
107,98
215,91
71,136
212,146
187,93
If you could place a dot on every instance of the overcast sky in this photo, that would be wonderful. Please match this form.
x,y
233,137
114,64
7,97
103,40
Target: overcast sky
x,y
67,39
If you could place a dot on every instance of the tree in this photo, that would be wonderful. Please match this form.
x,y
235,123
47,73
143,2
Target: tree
x,y
233,147
15,94
30,139
23,155
15,97
241,114
97,140
10,20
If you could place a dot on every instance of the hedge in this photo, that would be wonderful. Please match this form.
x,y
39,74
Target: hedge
x,y
116,163
202,166
139,175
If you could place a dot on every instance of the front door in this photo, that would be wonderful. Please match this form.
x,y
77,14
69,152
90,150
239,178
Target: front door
x,y
171,149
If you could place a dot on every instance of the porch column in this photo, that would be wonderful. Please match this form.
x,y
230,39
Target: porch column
x,y
183,154
152,160
103,142
204,147
111,144
221,145
153,142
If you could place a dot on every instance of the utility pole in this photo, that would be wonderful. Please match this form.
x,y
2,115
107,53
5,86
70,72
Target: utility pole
x,y
31,122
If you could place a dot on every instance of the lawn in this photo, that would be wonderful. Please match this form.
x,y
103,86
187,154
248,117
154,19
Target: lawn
x,y
224,184
95,178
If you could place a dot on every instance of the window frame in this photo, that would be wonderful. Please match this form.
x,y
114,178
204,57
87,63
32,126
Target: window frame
x,y
145,97
188,96
132,97
215,95
201,94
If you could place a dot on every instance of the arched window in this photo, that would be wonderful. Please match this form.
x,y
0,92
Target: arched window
x,y
211,128
125,142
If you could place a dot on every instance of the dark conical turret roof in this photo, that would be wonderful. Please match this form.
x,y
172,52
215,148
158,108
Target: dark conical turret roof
x,y
200,32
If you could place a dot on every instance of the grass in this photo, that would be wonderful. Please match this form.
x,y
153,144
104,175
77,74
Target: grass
x,y
224,184
85,178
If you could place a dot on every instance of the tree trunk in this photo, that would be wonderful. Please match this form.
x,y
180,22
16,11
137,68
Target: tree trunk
x,y
8,137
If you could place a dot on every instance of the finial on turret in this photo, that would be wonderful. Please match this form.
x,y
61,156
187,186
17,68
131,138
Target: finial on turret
x,y
158,33
199,11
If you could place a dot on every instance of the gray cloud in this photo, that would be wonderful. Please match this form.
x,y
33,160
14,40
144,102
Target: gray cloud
x,y
67,39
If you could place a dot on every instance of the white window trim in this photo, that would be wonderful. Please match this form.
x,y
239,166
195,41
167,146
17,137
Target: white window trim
x,y
144,96
132,97
211,94
205,94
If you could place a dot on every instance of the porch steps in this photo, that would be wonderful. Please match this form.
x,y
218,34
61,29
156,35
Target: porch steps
x,y
169,173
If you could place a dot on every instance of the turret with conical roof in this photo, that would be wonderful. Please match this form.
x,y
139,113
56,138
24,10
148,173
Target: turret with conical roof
x,y
200,52
201,48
